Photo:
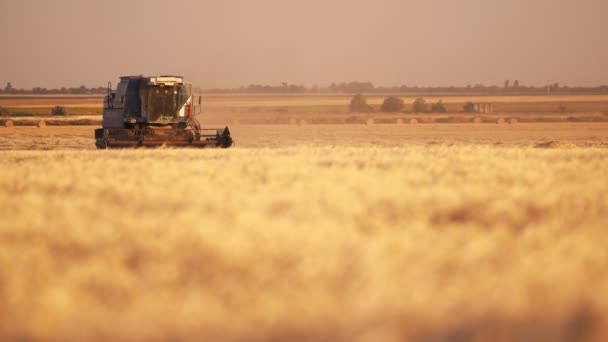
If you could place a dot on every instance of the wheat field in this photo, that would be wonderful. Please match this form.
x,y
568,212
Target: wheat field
x,y
313,241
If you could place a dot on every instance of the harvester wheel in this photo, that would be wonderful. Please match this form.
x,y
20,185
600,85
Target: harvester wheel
x,y
101,144
226,141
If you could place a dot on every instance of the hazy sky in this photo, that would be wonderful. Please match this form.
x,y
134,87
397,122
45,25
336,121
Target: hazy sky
x,y
222,43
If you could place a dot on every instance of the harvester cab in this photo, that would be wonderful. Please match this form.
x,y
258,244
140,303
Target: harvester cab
x,y
155,111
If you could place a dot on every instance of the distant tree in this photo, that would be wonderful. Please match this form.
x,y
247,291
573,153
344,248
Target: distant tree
x,y
507,84
358,104
419,105
516,84
9,88
352,87
39,90
468,107
392,104
438,107
556,86
294,88
59,110
359,87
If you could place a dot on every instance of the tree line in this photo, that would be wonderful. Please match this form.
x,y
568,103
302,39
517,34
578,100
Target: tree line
x,y
9,89
394,104
509,88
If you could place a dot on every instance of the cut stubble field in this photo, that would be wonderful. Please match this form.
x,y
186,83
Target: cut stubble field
x,y
373,136
245,105
348,232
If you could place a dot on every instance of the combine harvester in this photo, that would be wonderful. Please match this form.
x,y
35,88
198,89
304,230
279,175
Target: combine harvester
x,y
154,111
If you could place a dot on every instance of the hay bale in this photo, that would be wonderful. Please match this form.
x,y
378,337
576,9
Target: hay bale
x,y
370,121
477,120
413,121
513,121
9,123
41,124
500,121
400,122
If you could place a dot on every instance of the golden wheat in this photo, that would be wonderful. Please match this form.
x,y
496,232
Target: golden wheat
x,y
305,243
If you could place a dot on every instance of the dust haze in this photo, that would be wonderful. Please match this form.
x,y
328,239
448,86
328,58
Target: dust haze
x,y
233,43
342,213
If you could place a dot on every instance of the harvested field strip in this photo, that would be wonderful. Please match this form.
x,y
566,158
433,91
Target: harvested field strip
x,y
389,119
328,103
47,110
377,135
54,122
